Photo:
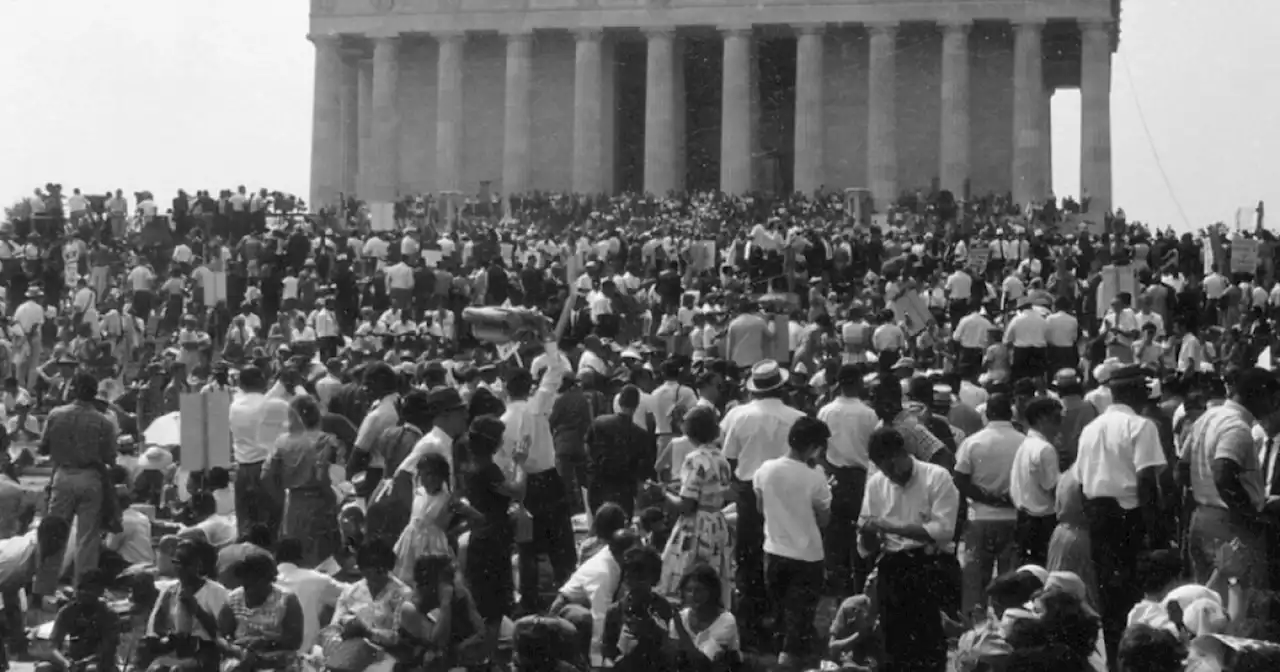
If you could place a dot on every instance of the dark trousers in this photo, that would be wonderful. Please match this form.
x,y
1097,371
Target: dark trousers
x,y
1028,363
1116,534
622,493
848,570
909,605
546,500
969,362
573,471
887,358
1062,358
749,552
329,347
1032,535
794,587
253,503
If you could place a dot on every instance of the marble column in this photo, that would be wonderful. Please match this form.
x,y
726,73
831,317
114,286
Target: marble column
x,y
350,123
608,117
953,169
587,98
1095,116
516,159
364,122
659,108
882,126
809,131
326,123
1046,139
1028,90
449,113
384,183
735,113
680,112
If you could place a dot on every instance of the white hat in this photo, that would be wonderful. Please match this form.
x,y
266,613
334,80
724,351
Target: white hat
x,y
767,375
155,458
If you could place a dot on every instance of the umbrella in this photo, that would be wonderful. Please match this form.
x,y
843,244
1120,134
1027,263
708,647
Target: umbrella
x,y
165,430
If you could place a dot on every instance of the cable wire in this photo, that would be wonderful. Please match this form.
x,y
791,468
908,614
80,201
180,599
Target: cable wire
x,y
1155,153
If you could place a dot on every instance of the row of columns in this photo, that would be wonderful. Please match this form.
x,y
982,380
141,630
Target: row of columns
x,y
370,90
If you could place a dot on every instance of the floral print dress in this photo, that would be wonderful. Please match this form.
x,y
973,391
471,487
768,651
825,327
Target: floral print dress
x,y
703,536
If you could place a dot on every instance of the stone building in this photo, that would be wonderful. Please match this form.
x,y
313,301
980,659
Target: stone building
x,y
416,96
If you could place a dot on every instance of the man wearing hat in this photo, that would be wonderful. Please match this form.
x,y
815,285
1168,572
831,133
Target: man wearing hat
x,y
752,433
29,317
1026,336
1119,462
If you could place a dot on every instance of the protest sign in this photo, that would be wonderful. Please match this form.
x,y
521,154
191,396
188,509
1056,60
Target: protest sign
x,y
508,252
910,309
702,256
978,258
205,431
1244,255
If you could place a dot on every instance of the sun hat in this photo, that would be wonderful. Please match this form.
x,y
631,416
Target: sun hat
x,y
767,375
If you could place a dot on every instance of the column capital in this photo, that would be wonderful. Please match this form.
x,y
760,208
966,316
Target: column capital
x,y
518,34
326,40
955,26
1032,24
658,32
883,29
734,30
449,36
588,34
809,28
383,35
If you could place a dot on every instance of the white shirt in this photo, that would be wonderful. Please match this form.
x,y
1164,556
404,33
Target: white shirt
x,y
1061,330
434,441
669,395
528,423
211,597
595,582
971,331
1034,478
1026,330
315,591
134,543
599,305
141,278
29,316
755,432
789,493
987,458
1113,449
851,422
960,286
928,498
399,276
256,422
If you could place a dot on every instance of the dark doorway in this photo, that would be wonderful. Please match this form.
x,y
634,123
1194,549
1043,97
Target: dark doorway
x,y
776,60
629,59
703,82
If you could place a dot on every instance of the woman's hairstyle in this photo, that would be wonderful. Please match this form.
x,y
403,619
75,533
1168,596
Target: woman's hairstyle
x,y
434,463
304,413
701,425
706,575
1147,649
609,518
1014,587
376,553
255,567
1066,622
432,568
485,436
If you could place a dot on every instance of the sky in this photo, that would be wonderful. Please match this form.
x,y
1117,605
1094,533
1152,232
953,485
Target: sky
x,y
163,94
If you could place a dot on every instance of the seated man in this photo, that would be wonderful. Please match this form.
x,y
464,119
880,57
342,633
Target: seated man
x,y
219,530
92,628
586,597
20,559
637,628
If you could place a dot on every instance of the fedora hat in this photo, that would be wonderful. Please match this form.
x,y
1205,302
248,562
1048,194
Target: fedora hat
x,y
444,399
767,375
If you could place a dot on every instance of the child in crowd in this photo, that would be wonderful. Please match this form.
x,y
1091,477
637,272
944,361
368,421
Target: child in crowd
x,y
854,641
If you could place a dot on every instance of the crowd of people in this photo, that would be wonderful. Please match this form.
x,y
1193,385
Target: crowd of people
x,y
554,432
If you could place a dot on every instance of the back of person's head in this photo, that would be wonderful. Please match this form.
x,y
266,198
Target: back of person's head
x,y
219,478
701,425
622,541
1157,570
520,383
252,379
1147,649
484,436
1014,588
305,410
609,518
85,386
808,433
203,504
289,550
260,535
999,408
629,398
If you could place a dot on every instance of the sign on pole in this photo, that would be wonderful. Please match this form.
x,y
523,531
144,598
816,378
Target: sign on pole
x,y
1244,255
205,430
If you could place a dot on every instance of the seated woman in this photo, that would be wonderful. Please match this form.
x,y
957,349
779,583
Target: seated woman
x,y
637,629
440,628
609,519
91,627
364,621
183,628
263,621
705,632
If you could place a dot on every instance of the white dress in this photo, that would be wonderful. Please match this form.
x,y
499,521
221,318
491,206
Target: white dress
x,y
425,533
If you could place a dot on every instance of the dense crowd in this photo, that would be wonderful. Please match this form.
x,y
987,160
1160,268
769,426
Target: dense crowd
x,y
965,434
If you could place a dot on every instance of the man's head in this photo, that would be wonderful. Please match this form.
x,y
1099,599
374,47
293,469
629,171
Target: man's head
x,y
808,438
888,451
1044,414
629,399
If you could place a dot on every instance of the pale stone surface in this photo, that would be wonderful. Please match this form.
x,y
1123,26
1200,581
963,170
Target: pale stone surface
x,y
326,133
882,131
516,161
735,113
1095,115
449,111
954,168
1028,90
587,98
659,129
808,130
384,158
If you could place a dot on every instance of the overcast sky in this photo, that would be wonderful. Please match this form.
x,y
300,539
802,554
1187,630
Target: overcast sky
x,y
162,94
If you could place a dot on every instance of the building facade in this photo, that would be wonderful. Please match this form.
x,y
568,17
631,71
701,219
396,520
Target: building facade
x,y
588,96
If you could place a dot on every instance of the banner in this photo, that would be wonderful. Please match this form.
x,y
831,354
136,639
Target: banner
x,y
1244,255
205,430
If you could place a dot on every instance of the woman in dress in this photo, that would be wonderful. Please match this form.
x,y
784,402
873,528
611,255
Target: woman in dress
x,y
705,632
299,469
701,535
433,505
1070,548
263,621
365,616
488,556
440,627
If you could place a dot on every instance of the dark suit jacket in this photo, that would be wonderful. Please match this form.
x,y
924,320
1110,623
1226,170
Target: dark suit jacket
x,y
618,450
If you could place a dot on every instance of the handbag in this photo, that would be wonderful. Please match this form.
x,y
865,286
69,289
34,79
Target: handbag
x,y
351,655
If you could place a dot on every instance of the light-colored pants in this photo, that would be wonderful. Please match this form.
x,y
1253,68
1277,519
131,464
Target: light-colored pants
x,y
32,365
988,545
74,494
